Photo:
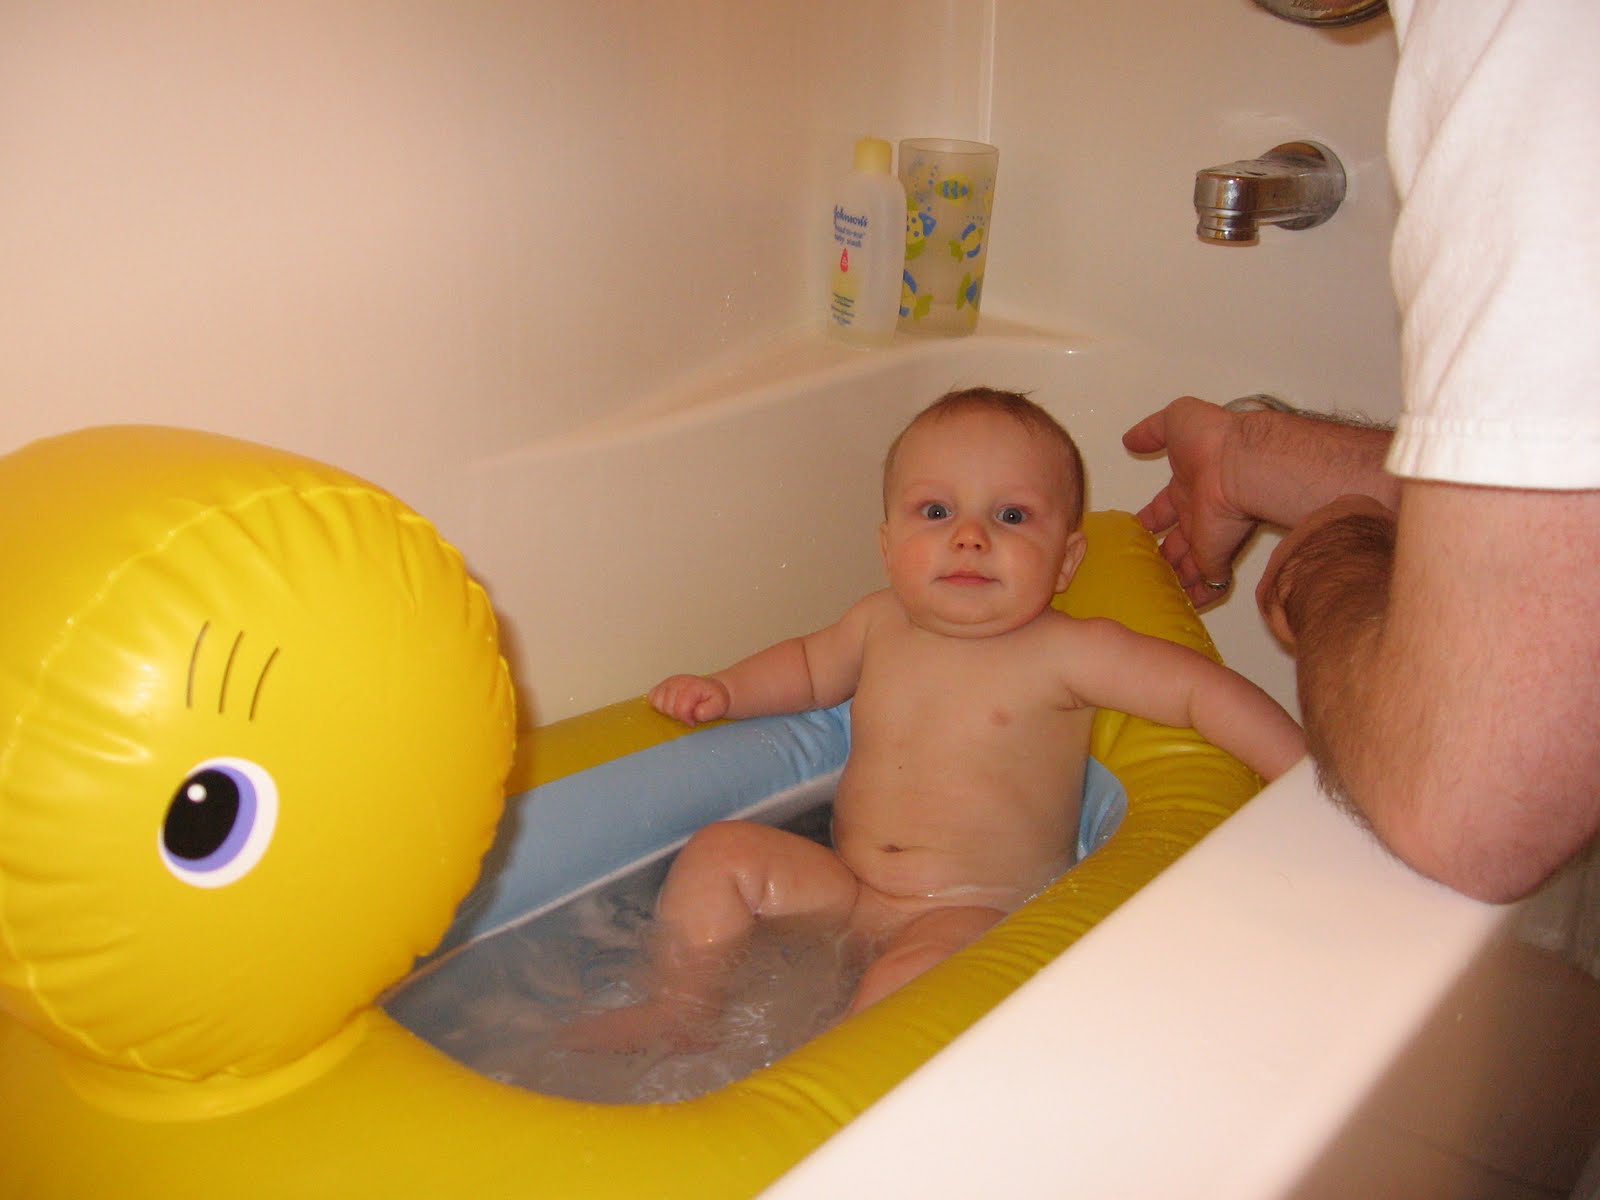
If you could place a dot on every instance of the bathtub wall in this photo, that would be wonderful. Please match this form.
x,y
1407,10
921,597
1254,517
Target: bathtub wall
x,y
429,241
411,236
1104,112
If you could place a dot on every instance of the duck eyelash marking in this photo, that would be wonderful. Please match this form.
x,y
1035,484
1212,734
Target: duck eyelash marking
x,y
227,672
255,696
194,665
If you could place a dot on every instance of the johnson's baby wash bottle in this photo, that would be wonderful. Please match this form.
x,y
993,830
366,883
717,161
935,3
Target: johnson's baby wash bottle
x,y
868,248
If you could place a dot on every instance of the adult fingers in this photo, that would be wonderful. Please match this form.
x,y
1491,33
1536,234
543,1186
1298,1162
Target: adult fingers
x,y
1161,513
1268,598
1149,435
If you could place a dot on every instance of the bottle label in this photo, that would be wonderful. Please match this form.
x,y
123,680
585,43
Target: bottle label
x,y
848,231
848,227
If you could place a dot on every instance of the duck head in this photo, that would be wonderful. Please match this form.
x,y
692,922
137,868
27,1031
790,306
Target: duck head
x,y
254,726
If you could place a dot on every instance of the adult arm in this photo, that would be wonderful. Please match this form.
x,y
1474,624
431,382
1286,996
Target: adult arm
x,y
1232,470
1449,673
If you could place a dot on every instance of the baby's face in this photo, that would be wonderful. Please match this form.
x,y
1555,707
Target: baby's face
x,y
977,535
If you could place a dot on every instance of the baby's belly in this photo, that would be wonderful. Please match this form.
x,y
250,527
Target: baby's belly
x,y
931,829
964,872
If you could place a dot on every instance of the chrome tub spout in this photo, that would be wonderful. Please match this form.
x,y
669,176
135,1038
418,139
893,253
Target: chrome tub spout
x,y
1295,186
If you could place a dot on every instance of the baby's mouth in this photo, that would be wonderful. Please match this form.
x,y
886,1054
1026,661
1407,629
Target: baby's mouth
x,y
965,578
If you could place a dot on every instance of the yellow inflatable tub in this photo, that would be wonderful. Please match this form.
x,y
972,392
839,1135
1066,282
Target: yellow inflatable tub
x,y
254,738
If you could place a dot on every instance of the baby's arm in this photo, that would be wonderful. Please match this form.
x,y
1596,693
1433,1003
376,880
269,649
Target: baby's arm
x,y
1114,667
814,671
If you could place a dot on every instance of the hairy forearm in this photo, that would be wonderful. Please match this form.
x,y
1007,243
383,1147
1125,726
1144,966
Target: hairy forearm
x,y
1447,674
1282,466
1335,591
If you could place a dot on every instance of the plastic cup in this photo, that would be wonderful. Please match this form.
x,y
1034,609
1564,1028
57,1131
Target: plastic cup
x,y
949,196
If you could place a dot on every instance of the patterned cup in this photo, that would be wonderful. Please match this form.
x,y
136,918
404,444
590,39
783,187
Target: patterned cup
x,y
949,196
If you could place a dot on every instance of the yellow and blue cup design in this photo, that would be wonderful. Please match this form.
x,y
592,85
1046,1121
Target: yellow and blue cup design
x,y
949,198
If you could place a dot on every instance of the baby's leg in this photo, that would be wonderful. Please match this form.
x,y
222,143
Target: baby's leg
x,y
926,941
729,876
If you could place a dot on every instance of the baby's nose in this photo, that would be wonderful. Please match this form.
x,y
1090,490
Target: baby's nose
x,y
969,535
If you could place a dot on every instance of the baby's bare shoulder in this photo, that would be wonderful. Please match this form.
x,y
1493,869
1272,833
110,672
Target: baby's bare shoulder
x,y
1083,648
1058,625
879,601
874,609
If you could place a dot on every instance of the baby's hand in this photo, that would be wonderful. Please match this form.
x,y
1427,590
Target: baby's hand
x,y
690,698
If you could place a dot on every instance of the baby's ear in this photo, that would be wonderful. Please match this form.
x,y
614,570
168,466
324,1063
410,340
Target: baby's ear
x,y
1077,543
883,542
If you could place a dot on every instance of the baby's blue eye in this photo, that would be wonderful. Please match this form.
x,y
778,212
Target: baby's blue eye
x,y
220,822
935,511
1012,515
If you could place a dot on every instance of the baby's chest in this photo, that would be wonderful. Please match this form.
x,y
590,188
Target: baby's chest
x,y
977,682
927,728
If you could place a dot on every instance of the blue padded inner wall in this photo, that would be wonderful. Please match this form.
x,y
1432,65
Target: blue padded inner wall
x,y
562,837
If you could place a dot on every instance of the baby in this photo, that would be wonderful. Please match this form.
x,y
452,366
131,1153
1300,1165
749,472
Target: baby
x,y
970,727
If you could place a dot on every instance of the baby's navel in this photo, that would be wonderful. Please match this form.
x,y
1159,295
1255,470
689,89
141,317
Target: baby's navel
x,y
890,848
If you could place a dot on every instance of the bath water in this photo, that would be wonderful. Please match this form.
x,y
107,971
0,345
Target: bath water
x,y
498,1004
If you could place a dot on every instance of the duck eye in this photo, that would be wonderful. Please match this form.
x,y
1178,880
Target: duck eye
x,y
935,511
220,822
1012,515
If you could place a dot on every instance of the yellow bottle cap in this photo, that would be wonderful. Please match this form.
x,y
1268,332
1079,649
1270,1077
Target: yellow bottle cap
x,y
873,155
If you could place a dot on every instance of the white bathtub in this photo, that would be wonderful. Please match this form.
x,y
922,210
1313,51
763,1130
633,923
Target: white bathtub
x,y
1215,1037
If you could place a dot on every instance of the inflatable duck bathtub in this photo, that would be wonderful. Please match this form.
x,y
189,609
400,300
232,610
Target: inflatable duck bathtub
x,y
255,735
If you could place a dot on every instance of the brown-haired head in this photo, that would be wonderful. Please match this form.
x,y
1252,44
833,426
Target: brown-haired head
x,y
1020,409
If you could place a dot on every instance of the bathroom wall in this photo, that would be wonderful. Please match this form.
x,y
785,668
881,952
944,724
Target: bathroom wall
x,y
409,239
406,236
1104,111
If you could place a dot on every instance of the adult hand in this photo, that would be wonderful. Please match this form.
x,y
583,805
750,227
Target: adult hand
x,y
1348,538
1204,529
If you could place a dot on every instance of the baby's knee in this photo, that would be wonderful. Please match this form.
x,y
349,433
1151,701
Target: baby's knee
x,y
724,866
720,843
895,968
923,944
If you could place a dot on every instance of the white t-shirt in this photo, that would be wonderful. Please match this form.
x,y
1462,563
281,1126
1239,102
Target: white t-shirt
x,y
1494,142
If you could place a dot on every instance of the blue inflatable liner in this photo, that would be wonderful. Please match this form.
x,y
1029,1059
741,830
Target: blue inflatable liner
x,y
564,837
